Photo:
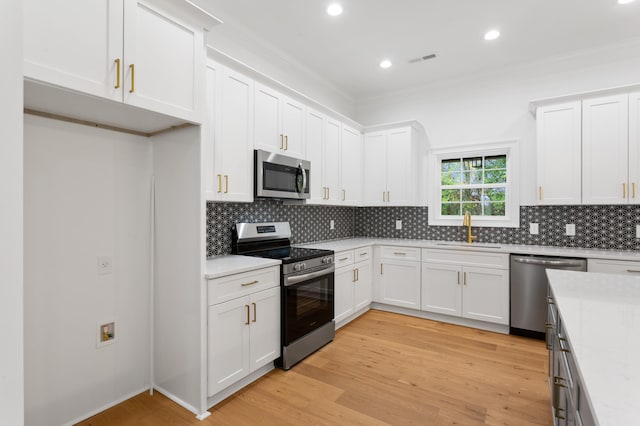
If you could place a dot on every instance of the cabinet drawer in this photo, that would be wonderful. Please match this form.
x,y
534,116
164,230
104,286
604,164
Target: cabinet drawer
x,y
230,287
343,258
467,257
362,253
620,267
400,253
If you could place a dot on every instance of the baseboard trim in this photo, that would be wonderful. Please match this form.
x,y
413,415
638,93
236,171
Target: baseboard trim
x,y
351,317
199,415
226,393
106,406
465,322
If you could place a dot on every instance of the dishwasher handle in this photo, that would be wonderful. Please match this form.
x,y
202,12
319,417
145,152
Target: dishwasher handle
x,y
548,262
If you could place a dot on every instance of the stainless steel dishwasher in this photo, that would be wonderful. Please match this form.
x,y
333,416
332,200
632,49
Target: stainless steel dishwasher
x,y
528,306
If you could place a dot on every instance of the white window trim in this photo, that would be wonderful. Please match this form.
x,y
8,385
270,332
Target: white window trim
x,y
512,209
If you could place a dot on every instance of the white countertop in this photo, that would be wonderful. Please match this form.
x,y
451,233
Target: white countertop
x,y
353,243
220,266
601,317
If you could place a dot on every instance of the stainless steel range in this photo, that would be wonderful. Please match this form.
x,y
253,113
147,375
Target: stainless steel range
x,y
307,281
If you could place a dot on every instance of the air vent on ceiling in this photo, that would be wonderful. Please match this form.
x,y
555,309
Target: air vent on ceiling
x,y
422,58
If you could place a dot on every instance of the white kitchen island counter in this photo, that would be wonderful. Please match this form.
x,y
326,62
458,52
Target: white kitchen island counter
x,y
220,266
600,314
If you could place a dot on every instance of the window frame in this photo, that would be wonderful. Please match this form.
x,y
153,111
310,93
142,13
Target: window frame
x,y
512,194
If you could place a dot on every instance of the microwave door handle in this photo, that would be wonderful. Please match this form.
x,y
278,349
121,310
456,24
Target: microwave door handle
x,y
304,179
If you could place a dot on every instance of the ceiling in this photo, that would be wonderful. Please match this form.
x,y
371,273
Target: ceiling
x,y
347,49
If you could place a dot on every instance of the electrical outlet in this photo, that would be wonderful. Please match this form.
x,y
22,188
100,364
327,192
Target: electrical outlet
x,y
332,224
104,265
637,231
570,230
106,333
398,224
533,229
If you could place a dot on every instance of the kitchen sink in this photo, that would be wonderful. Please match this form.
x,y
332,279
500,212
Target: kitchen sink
x,y
468,245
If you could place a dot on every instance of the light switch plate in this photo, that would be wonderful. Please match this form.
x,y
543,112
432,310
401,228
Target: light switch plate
x,y
398,224
332,224
570,230
533,229
637,231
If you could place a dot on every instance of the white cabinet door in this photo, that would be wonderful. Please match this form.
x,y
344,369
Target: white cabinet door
x,y
363,289
331,161
559,147
485,294
314,140
268,110
228,343
210,132
164,62
293,118
351,167
399,283
265,327
233,147
442,288
399,164
78,53
375,169
344,282
634,147
618,267
605,139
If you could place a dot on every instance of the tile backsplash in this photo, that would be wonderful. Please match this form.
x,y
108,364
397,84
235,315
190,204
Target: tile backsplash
x,y
605,227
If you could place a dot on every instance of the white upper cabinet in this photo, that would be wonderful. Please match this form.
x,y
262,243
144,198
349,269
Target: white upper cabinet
x,y
75,53
279,123
634,146
331,160
351,167
559,139
605,148
131,52
314,147
391,166
228,137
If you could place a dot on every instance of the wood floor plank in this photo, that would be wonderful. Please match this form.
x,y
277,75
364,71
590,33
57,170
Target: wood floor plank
x,y
382,369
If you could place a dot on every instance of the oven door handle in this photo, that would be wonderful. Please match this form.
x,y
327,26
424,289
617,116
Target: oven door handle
x,y
291,280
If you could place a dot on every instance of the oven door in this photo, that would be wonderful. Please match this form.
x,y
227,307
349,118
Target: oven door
x,y
307,302
279,176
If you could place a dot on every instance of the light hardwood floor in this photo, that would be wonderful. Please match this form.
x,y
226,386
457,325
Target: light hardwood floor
x,y
382,368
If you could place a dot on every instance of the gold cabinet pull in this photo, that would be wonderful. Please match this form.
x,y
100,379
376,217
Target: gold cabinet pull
x,y
540,193
344,195
633,190
226,184
354,276
255,312
281,141
117,86
286,142
624,190
357,274
132,67
248,284
343,259
465,278
458,277
383,196
219,184
388,196
381,269
328,192
248,320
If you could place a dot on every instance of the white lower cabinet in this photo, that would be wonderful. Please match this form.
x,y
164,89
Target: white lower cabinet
x,y
472,291
353,284
243,333
619,267
399,278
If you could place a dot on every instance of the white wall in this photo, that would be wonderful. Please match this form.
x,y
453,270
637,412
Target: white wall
x,y
495,107
11,335
87,194
238,42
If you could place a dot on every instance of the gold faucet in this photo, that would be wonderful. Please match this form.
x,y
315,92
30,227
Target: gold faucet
x,y
467,222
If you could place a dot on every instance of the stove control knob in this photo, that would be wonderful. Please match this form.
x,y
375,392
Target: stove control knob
x,y
299,267
327,260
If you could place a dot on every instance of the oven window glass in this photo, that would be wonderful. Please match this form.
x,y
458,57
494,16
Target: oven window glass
x,y
277,177
308,305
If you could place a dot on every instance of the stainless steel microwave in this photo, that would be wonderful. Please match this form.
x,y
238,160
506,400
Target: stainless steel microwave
x,y
279,176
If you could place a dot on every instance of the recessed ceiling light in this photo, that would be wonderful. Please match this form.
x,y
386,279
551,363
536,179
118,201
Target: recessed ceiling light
x,y
492,35
625,1
334,9
385,64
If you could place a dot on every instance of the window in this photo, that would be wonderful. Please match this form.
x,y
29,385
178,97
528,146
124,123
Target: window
x,y
480,180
